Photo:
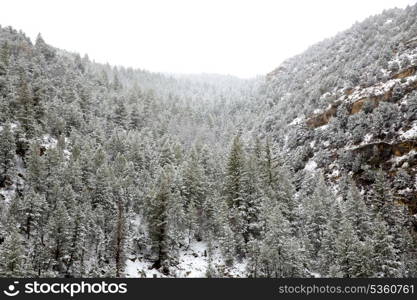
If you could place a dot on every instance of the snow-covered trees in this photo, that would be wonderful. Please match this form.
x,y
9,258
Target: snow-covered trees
x,y
7,152
280,254
384,254
158,219
25,113
12,256
58,229
99,165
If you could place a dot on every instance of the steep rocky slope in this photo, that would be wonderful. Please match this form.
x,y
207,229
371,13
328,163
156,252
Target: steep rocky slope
x,y
353,105
110,172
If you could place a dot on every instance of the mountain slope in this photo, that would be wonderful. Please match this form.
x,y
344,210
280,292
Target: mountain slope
x,y
348,104
112,172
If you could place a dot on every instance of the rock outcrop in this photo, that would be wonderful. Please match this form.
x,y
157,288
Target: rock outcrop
x,y
317,120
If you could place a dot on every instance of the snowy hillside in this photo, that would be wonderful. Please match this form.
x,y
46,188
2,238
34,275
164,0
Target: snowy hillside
x,y
310,171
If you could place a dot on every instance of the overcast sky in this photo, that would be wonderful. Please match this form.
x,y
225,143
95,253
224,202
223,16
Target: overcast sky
x,y
238,37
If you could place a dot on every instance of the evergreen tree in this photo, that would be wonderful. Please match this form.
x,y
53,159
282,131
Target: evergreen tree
x,y
279,251
25,113
59,234
7,152
234,190
194,191
357,212
347,251
135,118
120,114
384,254
158,217
78,240
12,256
33,209
318,214
36,169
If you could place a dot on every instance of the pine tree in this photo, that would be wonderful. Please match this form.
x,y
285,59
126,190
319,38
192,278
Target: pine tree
x,y
157,220
101,190
5,55
25,113
317,214
277,182
235,172
385,256
47,51
254,258
211,271
7,152
357,212
120,114
347,250
177,220
78,241
194,192
12,256
327,262
33,209
380,192
279,251
135,118
40,257
365,268
120,235
59,234
235,193
253,202
116,84
167,156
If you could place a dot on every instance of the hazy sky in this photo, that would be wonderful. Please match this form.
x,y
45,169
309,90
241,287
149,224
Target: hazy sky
x,y
237,37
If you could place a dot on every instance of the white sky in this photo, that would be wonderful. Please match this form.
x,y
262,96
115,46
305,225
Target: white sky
x,y
238,37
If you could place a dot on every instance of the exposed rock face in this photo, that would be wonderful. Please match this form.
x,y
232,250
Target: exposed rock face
x,y
405,73
380,152
411,43
348,91
379,155
321,119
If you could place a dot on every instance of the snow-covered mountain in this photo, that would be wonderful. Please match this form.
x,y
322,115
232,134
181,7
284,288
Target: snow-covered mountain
x,y
309,171
349,104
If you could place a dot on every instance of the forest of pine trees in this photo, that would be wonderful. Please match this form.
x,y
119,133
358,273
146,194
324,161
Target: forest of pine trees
x,y
101,163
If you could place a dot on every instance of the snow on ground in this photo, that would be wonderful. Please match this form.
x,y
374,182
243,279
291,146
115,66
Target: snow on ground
x,y
296,121
311,166
139,268
8,194
20,165
12,126
48,141
315,275
335,173
367,138
323,128
312,144
193,263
